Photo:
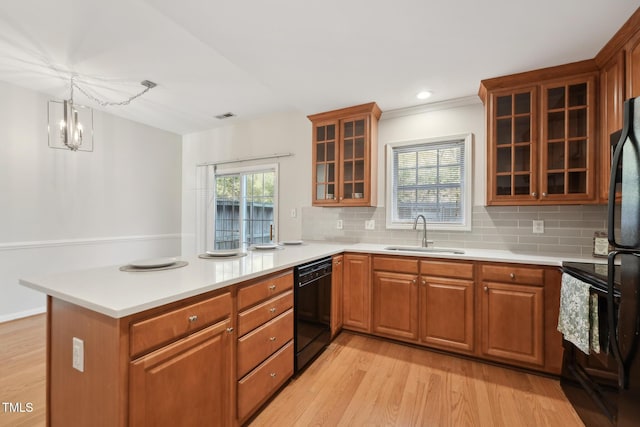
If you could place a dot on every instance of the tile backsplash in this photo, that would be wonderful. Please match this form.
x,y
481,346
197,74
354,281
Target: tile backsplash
x,y
567,229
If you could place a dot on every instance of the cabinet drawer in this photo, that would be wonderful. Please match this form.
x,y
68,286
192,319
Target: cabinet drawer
x,y
264,289
259,385
152,333
459,270
260,343
395,264
256,316
513,274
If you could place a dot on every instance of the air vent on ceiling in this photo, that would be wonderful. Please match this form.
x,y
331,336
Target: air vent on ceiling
x,y
225,116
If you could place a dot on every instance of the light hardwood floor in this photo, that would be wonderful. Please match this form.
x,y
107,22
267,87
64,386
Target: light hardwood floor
x,y
363,381
23,370
357,381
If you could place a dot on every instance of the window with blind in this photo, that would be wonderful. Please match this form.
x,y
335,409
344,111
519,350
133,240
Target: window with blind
x,y
433,178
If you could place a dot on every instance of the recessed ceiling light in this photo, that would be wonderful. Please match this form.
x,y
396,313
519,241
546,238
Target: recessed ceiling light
x,y
423,95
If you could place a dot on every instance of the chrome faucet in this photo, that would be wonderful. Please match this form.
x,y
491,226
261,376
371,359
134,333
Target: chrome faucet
x,y
425,243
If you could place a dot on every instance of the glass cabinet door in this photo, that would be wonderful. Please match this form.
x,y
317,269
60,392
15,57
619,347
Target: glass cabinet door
x,y
566,141
513,150
325,162
354,158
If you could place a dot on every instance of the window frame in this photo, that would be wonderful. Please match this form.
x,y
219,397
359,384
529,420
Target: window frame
x,y
467,193
206,237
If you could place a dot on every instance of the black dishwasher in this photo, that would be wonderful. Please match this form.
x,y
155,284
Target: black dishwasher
x,y
312,310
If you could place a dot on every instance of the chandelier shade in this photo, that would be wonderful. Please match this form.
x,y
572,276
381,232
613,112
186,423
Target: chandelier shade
x,y
70,126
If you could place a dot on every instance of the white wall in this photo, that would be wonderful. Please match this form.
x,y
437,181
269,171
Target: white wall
x,y
63,210
454,117
288,132
291,132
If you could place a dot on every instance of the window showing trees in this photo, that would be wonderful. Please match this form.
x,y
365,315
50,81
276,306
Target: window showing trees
x,y
431,178
245,209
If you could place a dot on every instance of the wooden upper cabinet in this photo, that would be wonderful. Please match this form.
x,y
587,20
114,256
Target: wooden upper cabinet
x,y
541,136
632,53
568,141
345,156
511,161
612,95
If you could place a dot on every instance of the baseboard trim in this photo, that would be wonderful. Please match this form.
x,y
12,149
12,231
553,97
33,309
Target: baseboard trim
x,y
22,314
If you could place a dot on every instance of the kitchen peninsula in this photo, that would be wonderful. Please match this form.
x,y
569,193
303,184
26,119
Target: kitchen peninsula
x,y
170,336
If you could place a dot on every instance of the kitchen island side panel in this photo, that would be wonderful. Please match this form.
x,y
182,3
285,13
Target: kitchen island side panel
x,y
98,395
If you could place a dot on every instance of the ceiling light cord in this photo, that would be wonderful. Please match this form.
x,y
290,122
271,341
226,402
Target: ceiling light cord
x,y
110,103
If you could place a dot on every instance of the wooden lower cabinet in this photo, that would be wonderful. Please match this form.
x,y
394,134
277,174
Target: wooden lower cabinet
x,y
356,292
255,388
395,305
447,305
183,383
336,294
167,366
265,341
497,311
512,321
446,313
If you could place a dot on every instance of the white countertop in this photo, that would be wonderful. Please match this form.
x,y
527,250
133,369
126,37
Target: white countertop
x,y
116,293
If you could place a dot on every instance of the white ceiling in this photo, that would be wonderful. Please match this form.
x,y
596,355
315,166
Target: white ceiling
x,y
256,57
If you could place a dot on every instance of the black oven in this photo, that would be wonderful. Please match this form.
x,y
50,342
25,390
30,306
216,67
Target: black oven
x,y
604,388
312,310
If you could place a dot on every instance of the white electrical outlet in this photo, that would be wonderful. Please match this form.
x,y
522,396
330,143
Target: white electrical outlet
x,y
339,224
370,224
78,354
538,226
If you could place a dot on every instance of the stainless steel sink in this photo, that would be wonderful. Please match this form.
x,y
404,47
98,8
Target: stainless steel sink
x,y
423,249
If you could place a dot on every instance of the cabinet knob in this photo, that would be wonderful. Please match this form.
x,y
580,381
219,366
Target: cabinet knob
x,y
424,282
193,318
486,289
272,287
272,309
272,338
534,194
512,275
273,374
414,281
544,194
229,330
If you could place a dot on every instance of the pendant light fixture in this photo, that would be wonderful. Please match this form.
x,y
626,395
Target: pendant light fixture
x,y
71,124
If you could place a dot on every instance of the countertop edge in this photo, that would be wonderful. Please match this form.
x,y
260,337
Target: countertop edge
x,y
320,249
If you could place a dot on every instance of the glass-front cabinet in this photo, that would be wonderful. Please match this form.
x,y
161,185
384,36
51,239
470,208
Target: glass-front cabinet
x,y
344,156
568,131
513,156
541,143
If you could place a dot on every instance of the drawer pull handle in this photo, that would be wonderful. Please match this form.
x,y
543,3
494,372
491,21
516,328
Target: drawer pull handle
x,y
273,374
512,275
272,287
193,318
486,289
272,309
272,339
229,330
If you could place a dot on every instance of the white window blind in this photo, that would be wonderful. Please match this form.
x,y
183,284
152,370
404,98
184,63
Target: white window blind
x,y
431,178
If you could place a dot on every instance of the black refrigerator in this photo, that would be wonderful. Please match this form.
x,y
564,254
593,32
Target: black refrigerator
x,y
604,386
624,235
